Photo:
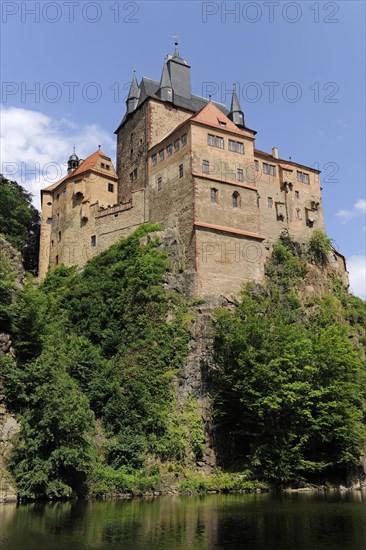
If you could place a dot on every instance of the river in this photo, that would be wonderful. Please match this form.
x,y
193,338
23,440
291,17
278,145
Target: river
x,y
296,521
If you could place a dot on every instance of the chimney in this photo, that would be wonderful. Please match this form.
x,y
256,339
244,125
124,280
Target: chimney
x,y
275,152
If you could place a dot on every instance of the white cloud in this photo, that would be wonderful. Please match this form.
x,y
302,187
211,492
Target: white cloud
x,y
35,147
358,208
356,266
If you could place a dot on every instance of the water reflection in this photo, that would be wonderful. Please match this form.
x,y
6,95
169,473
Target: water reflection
x,y
309,521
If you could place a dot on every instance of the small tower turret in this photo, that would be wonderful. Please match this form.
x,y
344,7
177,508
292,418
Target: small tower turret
x,y
236,113
73,162
133,95
165,91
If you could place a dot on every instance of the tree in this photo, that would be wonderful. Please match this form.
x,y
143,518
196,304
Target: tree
x,y
289,395
19,221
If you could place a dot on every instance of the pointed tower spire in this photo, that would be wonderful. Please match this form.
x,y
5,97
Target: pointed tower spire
x,y
236,113
165,91
133,95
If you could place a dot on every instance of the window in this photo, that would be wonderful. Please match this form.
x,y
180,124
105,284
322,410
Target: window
x,y
102,164
297,195
215,141
169,150
214,195
239,174
49,220
236,146
52,243
181,170
256,165
49,203
270,202
236,199
161,154
298,213
110,187
59,236
222,123
269,169
131,136
56,260
107,166
302,176
205,167
154,159
184,139
131,153
160,183
176,145
58,196
93,240
133,175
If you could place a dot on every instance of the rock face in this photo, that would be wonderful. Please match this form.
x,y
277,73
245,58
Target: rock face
x,y
8,424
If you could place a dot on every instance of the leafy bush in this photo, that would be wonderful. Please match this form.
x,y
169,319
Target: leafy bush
x,y
102,343
290,392
319,247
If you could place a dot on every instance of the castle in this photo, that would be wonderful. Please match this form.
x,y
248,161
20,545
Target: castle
x,y
190,164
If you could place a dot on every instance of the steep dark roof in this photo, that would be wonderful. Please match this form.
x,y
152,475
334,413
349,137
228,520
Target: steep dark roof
x,y
165,81
235,104
149,89
134,88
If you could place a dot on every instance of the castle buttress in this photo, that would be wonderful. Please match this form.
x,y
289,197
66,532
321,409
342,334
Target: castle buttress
x,y
190,164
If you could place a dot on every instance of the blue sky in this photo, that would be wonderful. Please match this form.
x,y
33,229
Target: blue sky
x,y
299,69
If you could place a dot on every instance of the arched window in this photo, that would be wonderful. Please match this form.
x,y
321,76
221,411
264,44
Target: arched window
x,y
236,200
214,195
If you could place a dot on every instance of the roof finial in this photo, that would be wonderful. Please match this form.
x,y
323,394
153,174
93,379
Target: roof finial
x,y
99,146
74,148
176,42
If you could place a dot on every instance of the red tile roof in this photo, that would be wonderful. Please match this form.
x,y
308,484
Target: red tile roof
x,y
88,164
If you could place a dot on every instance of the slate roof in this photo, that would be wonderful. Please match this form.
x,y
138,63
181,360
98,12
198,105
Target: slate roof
x,y
150,87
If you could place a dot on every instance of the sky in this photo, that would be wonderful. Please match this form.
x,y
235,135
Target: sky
x,y
299,69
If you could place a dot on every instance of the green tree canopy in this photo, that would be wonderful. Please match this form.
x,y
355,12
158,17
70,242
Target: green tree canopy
x,y
19,221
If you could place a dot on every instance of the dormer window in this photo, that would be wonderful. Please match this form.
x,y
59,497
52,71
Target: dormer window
x,y
184,139
154,160
169,150
161,155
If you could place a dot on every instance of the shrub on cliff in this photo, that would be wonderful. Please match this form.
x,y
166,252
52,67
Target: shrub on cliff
x,y
19,221
290,392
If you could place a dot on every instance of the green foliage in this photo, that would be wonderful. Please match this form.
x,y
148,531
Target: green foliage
x,y
193,422
19,221
7,289
111,338
319,247
290,393
53,452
